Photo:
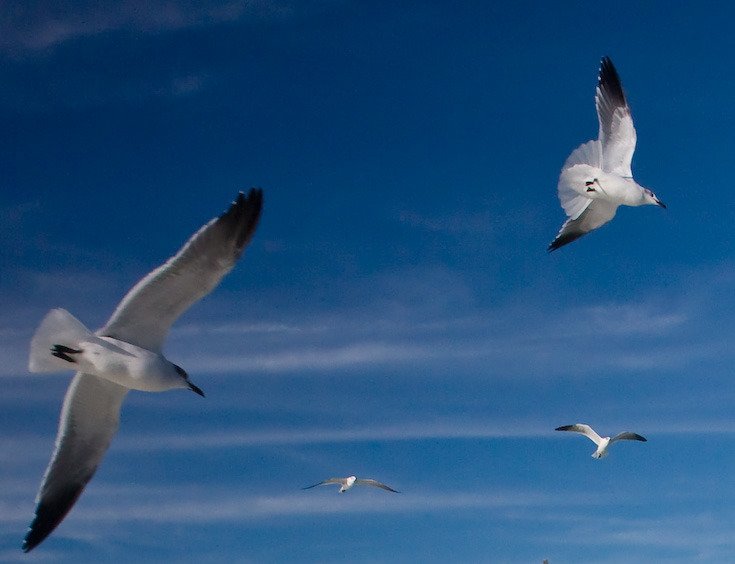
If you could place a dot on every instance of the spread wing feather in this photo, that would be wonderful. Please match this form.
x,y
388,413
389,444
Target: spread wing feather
x,y
617,133
89,420
147,312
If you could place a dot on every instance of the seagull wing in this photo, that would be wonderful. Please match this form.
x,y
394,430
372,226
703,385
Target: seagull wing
x,y
586,430
374,483
147,312
617,133
89,419
627,436
325,482
596,214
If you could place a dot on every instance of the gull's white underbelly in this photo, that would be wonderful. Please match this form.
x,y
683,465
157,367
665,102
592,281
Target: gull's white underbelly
x,y
125,364
605,186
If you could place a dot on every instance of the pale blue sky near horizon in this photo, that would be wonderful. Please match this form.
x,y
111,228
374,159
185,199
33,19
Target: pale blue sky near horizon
x,y
396,315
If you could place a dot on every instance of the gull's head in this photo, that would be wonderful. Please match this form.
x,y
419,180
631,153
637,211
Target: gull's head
x,y
650,198
186,383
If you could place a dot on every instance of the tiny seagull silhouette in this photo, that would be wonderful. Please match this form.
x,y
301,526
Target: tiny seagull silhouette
x,y
346,483
602,442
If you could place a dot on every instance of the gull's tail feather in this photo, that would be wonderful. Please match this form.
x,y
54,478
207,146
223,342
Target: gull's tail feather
x,y
589,153
56,342
578,168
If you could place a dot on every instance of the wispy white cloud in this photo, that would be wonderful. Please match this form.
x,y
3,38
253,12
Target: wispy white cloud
x,y
164,504
574,518
21,449
407,430
708,538
17,555
482,223
228,328
40,24
442,326
309,359
630,318
631,336
399,431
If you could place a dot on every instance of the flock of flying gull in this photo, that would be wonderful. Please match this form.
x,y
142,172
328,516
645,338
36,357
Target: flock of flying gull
x,y
126,354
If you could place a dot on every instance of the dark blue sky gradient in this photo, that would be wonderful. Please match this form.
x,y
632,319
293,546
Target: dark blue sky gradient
x,y
396,315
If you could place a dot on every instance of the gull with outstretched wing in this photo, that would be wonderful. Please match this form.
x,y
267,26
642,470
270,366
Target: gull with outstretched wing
x,y
602,442
126,354
346,483
596,178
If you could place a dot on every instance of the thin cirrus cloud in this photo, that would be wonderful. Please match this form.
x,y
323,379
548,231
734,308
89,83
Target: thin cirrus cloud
x,y
477,223
523,340
636,336
408,430
39,25
508,340
217,504
528,338
24,449
696,529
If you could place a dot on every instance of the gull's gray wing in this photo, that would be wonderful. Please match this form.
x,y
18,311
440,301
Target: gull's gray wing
x,y
616,133
89,419
147,312
586,430
374,483
329,481
597,214
627,436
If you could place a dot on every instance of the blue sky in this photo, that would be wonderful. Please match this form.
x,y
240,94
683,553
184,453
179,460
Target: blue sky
x,y
396,315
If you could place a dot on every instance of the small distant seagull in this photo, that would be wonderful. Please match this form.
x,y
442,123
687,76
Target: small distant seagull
x,y
602,442
346,483
125,354
596,178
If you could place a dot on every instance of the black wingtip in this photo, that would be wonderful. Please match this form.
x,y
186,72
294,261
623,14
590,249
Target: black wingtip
x,y
562,240
243,216
609,81
569,232
196,389
607,68
38,531
49,515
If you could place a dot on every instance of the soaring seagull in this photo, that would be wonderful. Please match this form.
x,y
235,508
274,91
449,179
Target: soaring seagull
x,y
602,442
346,483
596,178
126,354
